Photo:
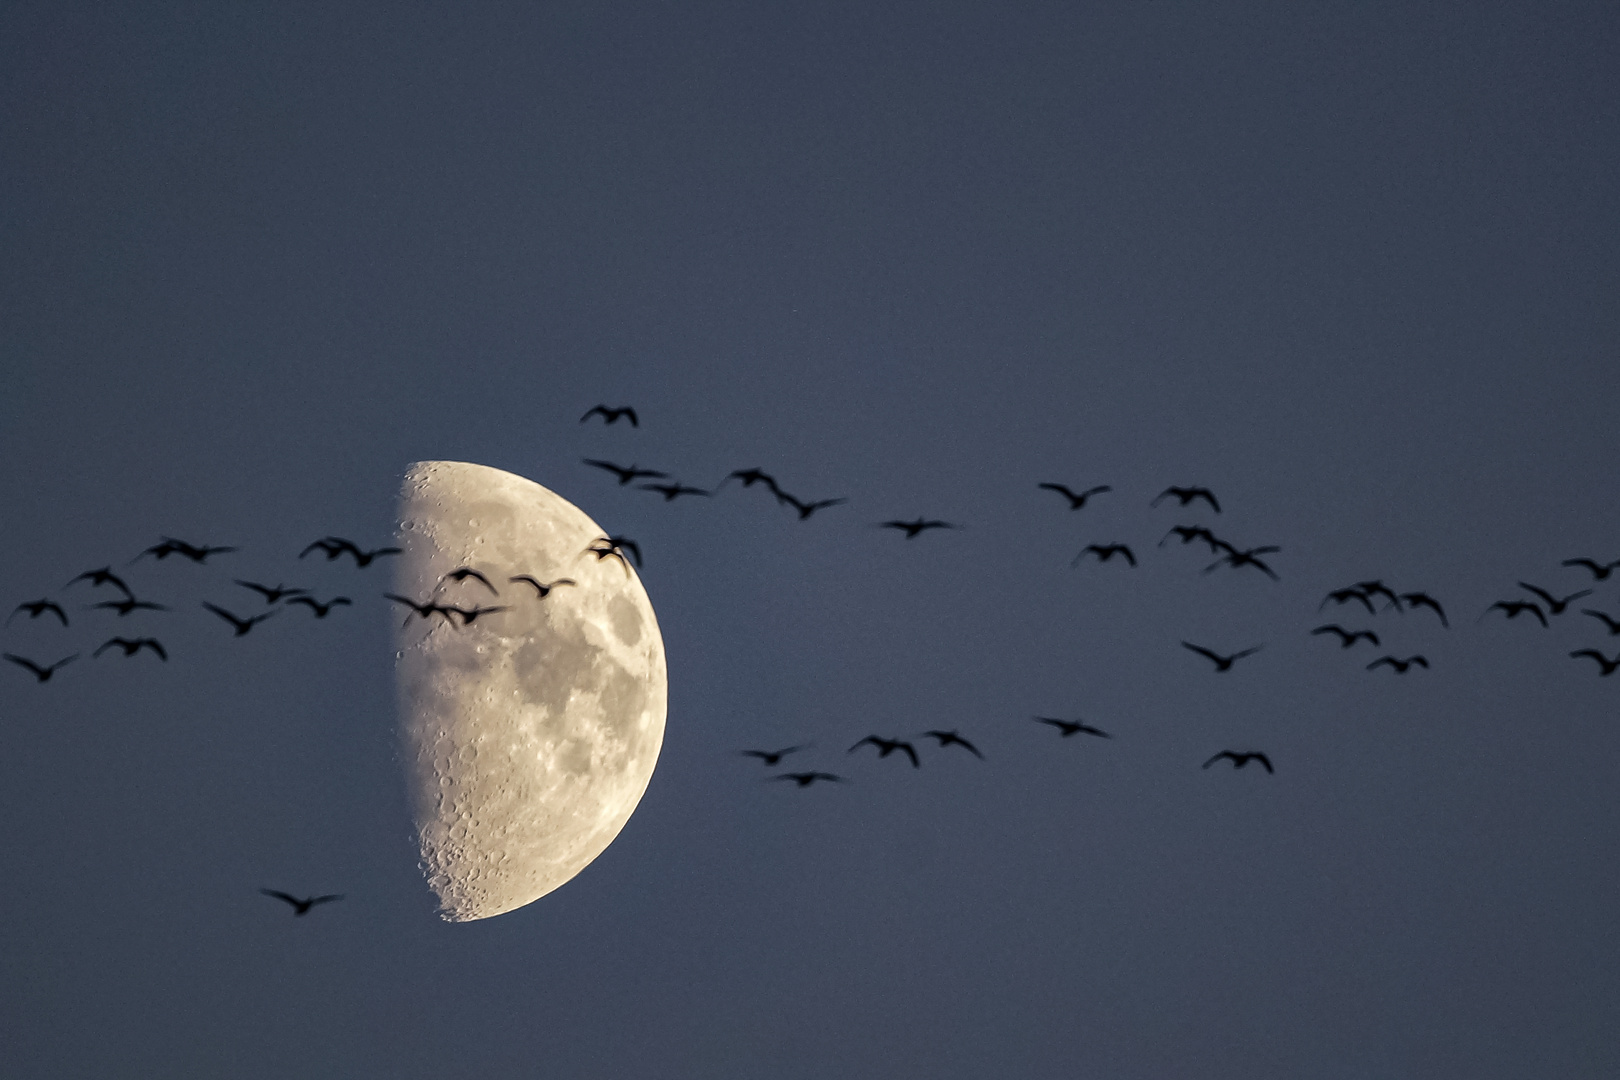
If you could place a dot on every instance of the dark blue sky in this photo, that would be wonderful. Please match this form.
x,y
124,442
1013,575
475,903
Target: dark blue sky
x,y
1352,266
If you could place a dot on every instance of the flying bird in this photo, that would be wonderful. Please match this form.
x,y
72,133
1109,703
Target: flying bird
x,y
1104,552
103,576
1555,606
1186,495
36,608
749,478
610,416
1240,759
1606,665
671,492
43,674
1515,608
1423,599
335,546
770,757
1189,533
127,605
1600,571
1400,666
271,595
319,609
1077,500
1378,588
805,779
1072,727
1347,638
912,528
362,559
951,738
626,473
1344,596
1222,663
242,625
1613,625
462,573
131,646
885,747
542,587
301,907
469,616
170,546
805,509
425,609
615,546
1235,559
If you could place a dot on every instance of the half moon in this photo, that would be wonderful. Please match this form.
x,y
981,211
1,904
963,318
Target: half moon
x,y
529,733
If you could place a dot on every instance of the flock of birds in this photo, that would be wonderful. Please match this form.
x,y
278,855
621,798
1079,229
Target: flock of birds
x,y
1373,597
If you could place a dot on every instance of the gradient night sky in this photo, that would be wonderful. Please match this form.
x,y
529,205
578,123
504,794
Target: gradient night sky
x,y
1353,266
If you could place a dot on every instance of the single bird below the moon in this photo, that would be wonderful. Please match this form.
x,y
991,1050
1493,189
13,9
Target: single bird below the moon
x,y
529,736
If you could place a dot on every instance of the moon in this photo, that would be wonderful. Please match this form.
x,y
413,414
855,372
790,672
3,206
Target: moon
x,y
530,734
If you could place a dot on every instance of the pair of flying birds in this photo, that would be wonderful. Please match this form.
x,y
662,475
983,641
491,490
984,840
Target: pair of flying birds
x,y
1183,495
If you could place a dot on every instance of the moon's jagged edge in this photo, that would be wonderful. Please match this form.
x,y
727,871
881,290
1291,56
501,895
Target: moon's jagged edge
x,y
530,735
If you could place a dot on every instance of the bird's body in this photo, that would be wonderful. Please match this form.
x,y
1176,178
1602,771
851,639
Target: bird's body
x,y
542,587
611,416
1222,663
1515,608
36,608
271,595
1240,758
1077,499
913,529
301,907
131,646
1423,599
951,738
1397,664
1067,728
1104,552
885,747
1185,495
1605,665
241,625
41,672
770,757
319,609
1555,606
1347,638
626,473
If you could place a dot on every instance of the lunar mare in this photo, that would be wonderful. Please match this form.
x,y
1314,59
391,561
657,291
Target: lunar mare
x,y
530,735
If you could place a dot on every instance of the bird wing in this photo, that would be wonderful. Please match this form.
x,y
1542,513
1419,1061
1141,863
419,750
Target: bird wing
x,y
153,644
1130,556
1544,594
227,616
911,752
1418,660
869,739
1061,489
1217,757
1247,652
1332,629
1390,660
1201,651
1262,759
25,662
328,898
279,895
1208,497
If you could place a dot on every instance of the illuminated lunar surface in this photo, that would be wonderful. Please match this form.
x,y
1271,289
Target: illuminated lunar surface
x,y
530,735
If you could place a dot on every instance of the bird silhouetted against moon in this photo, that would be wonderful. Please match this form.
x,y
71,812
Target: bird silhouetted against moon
x,y
530,736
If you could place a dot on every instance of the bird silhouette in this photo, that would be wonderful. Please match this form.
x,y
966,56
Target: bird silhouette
x,y
131,646
615,546
1235,559
749,478
36,608
1555,606
1347,638
1423,599
271,595
1515,608
1240,759
301,907
334,546
1222,663
771,757
626,473
1378,588
805,779
805,509
362,559
1400,666
1077,499
1072,727
462,573
951,738
127,605
470,615
1345,595
610,416
1104,552
913,528
1606,665
242,625
43,674
425,609
885,747
170,546
1189,533
319,609
542,587
103,576
1185,495
1612,624
671,492
1600,571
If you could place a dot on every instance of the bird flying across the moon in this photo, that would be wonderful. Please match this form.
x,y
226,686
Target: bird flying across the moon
x,y
528,738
